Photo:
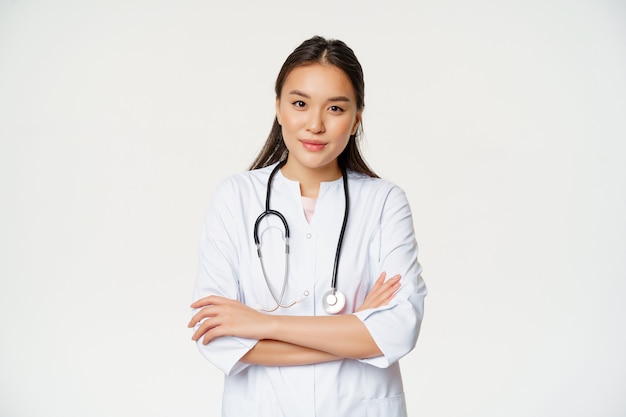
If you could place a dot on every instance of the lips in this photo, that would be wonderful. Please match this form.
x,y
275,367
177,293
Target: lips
x,y
312,145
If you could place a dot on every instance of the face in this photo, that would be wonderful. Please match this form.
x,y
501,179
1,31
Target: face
x,y
317,112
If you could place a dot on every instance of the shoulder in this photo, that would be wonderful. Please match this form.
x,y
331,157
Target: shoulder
x,y
377,194
240,183
365,184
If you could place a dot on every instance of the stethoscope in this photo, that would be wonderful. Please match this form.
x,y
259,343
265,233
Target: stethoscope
x,y
334,300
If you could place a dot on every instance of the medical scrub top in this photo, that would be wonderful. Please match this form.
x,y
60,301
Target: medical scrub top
x,y
379,237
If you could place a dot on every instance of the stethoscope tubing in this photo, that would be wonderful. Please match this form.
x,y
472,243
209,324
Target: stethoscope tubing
x,y
333,282
269,212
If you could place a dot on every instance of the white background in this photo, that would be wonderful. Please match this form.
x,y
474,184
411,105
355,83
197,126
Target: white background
x,y
504,121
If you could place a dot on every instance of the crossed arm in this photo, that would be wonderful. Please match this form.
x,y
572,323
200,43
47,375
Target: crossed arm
x,y
292,340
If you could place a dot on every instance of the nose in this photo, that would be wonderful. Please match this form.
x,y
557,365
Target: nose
x,y
316,122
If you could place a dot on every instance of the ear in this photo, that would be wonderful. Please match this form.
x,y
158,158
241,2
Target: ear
x,y
278,111
357,122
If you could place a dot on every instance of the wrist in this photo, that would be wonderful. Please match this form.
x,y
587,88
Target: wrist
x,y
269,327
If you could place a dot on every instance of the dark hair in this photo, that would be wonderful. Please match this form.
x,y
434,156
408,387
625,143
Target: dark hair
x,y
338,54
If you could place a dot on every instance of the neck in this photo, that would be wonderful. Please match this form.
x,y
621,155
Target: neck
x,y
310,178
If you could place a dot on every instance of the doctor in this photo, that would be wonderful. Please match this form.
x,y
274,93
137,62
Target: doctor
x,y
316,329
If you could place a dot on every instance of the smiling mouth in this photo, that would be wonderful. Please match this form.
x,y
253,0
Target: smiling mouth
x,y
313,145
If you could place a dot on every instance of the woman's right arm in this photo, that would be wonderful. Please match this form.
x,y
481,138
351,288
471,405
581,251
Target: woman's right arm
x,y
218,268
217,274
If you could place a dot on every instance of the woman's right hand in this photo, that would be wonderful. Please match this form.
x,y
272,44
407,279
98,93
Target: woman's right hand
x,y
381,293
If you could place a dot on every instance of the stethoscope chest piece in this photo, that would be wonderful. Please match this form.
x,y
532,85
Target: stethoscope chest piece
x,y
334,301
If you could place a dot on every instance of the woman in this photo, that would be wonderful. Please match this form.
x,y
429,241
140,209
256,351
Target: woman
x,y
266,317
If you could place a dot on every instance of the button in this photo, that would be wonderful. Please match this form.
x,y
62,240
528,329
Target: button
x,y
309,236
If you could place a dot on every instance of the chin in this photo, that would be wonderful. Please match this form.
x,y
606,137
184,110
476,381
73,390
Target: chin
x,y
316,163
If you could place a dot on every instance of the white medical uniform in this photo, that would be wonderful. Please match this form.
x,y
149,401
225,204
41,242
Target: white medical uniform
x,y
379,237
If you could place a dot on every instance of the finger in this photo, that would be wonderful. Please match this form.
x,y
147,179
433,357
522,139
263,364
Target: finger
x,y
394,278
205,312
209,300
197,317
205,327
384,288
386,293
201,330
381,280
378,300
379,284
392,286
391,292
202,302
391,282
208,337
215,332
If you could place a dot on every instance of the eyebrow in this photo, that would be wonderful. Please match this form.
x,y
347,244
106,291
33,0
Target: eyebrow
x,y
302,94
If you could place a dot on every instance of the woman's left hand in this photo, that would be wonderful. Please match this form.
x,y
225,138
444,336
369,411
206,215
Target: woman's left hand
x,y
382,292
219,316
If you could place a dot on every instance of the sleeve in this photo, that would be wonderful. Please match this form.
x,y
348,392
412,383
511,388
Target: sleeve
x,y
218,275
395,327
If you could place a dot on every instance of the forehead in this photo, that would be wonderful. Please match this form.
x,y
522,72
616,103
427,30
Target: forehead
x,y
319,80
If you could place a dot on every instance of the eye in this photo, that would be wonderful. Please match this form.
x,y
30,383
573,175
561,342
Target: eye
x,y
299,104
335,109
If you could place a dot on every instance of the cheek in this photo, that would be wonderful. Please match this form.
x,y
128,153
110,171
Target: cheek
x,y
290,121
344,127
288,130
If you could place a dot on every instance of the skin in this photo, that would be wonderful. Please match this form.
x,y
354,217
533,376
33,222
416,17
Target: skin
x,y
317,112
292,340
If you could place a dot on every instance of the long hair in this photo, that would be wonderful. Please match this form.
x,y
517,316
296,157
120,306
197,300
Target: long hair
x,y
322,51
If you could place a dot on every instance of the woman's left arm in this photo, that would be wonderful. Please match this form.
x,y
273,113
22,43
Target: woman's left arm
x,y
395,327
